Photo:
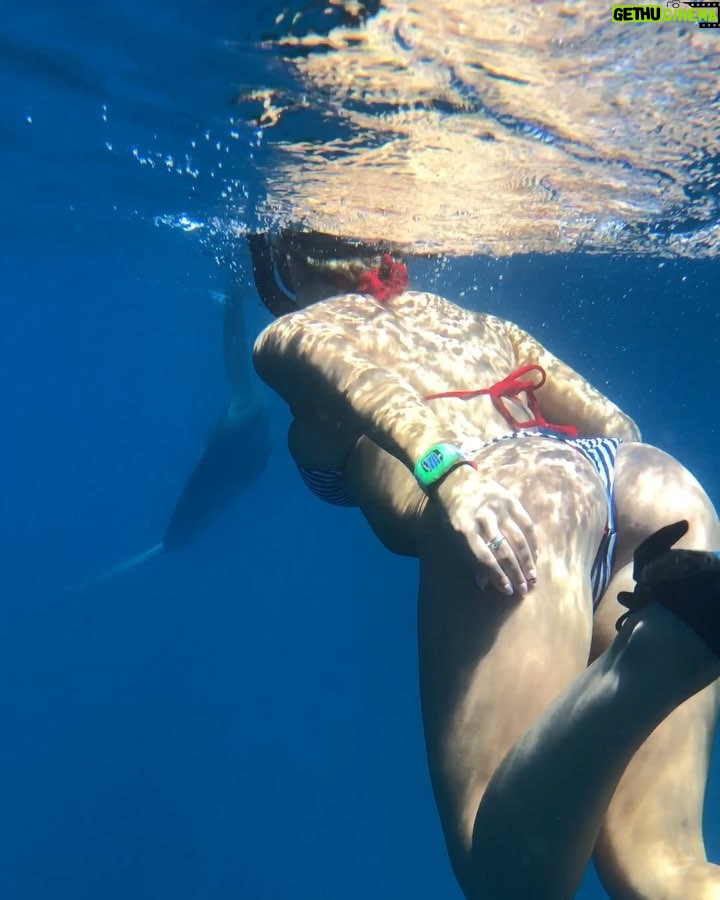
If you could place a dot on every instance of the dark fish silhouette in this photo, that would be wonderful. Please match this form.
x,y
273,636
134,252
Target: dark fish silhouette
x,y
235,455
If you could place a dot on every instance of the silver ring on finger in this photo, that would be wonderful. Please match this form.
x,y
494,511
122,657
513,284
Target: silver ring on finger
x,y
496,542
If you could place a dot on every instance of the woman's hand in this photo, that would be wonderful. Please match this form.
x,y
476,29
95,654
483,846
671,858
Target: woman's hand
x,y
496,533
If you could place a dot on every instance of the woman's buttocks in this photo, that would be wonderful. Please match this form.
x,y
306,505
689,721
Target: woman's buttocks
x,y
558,487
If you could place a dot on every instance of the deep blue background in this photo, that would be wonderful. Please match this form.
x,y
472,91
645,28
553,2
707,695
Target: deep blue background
x,y
240,719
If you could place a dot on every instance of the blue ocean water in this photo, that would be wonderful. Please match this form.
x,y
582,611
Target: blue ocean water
x,y
241,718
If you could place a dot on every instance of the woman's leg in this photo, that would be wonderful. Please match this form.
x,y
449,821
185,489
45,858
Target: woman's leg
x,y
651,845
490,666
525,746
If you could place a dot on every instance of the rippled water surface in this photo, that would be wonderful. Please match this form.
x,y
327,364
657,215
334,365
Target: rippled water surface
x,y
465,127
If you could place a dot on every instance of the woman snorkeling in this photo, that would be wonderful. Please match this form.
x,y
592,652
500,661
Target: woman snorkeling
x,y
537,517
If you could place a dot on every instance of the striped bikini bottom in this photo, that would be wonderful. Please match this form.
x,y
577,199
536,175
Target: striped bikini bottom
x,y
600,452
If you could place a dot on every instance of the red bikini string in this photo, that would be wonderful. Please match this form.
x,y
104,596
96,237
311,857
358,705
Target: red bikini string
x,y
512,386
388,280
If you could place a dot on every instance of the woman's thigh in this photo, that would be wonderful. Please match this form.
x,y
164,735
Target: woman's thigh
x,y
490,665
652,489
651,843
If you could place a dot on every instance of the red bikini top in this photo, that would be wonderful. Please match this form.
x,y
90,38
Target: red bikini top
x,y
513,386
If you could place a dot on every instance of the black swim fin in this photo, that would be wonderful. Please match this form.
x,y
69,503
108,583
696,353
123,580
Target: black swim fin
x,y
686,582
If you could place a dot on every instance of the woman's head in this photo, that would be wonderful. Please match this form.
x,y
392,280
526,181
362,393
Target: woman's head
x,y
295,268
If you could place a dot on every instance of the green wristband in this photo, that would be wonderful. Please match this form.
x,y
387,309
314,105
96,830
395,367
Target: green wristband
x,y
436,462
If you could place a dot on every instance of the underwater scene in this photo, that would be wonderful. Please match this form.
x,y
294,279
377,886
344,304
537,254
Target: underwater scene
x,y
211,677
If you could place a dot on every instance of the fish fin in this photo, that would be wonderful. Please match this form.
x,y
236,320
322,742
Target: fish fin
x,y
119,568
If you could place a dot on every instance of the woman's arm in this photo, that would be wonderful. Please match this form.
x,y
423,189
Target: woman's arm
x,y
386,492
567,398
315,360
384,489
388,495
318,369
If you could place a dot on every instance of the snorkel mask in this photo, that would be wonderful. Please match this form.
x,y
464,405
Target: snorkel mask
x,y
271,272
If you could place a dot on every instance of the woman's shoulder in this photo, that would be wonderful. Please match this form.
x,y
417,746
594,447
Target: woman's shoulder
x,y
442,313
414,311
